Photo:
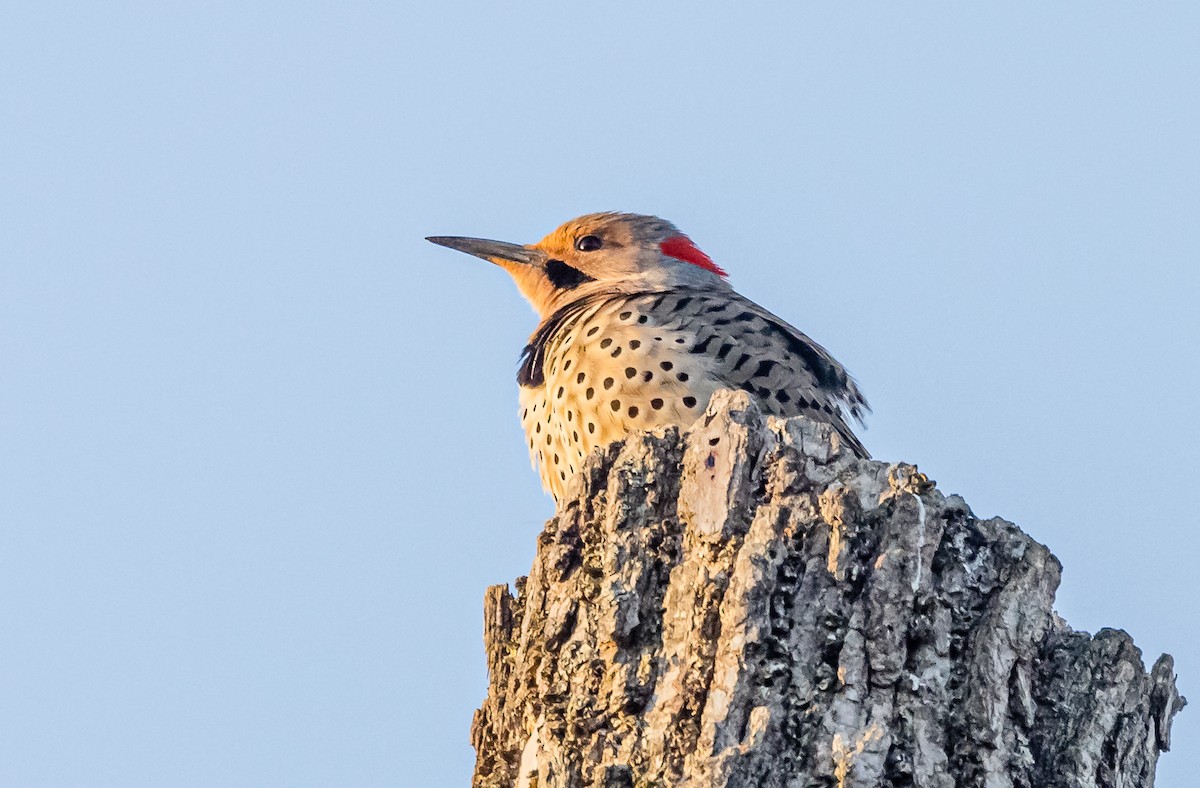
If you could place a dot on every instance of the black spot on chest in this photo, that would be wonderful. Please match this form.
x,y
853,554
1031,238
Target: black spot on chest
x,y
531,367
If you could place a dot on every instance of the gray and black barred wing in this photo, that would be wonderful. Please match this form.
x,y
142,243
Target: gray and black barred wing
x,y
744,346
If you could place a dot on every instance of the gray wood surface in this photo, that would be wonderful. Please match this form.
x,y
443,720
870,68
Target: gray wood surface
x,y
749,605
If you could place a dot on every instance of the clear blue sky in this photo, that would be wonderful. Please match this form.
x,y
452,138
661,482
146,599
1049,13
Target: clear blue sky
x,y
260,448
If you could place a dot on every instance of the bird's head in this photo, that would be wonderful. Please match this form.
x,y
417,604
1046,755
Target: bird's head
x,y
622,252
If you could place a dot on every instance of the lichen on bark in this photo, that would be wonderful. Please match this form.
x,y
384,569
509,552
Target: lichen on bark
x,y
746,604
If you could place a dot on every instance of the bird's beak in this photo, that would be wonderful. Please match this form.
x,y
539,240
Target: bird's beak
x,y
492,251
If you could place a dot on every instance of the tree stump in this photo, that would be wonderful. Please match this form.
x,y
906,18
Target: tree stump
x,y
746,604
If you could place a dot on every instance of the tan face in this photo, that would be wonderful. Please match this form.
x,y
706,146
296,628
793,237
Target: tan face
x,y
599,251
608,246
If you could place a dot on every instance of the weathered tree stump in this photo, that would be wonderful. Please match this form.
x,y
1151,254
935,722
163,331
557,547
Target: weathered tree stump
x,y
748,605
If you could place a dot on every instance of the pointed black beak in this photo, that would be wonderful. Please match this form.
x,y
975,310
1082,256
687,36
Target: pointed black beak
x,y
491,251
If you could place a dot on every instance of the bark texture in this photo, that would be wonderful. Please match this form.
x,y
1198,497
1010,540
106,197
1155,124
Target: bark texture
x,y
746,604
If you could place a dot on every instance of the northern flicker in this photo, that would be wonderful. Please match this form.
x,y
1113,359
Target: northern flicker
x,y
638,329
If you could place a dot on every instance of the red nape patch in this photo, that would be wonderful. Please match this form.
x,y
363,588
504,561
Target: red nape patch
x,y
681,248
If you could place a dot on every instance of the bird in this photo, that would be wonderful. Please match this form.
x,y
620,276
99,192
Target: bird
x,y
638,327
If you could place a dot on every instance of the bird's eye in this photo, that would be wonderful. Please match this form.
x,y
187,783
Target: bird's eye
x,y
588,243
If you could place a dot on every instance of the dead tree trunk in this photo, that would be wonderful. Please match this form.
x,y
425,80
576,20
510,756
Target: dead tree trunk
x,y
747,605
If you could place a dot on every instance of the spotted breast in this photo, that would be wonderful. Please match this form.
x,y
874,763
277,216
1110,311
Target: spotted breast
x,y
605,366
